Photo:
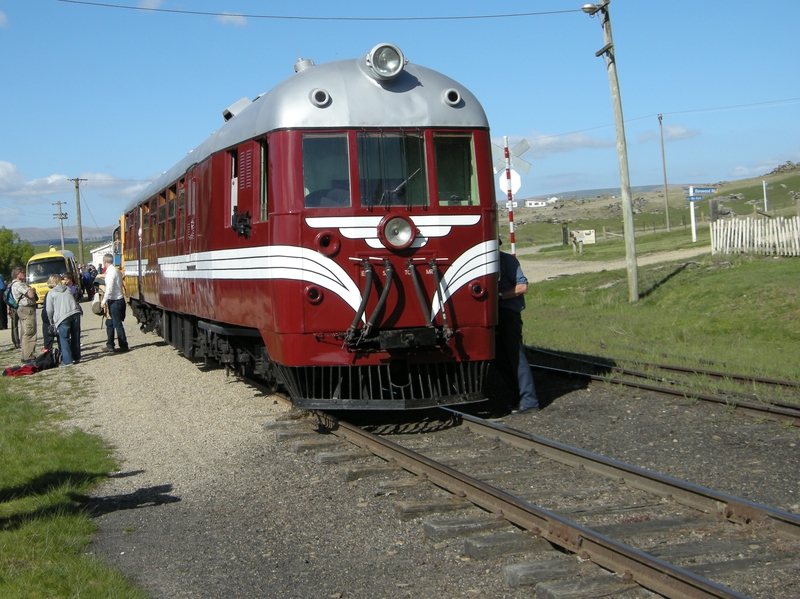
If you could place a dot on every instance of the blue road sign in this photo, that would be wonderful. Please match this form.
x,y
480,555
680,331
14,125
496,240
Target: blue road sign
x,y
701,190
694,198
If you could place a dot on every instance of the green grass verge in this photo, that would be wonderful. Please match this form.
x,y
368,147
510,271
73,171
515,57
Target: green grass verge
x,y
46,470
744,315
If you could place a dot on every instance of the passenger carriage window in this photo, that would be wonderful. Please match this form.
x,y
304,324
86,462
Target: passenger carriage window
x,y
326,170
455,169
171,200
153,223
162,217
391,166
181,208
146,224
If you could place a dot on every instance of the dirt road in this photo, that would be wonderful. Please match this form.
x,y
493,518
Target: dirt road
x,y
542,270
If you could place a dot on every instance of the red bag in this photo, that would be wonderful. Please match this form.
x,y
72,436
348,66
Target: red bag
x,y
21,370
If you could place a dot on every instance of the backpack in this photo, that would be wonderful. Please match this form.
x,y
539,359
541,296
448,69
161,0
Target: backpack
x,y
47,359
9,298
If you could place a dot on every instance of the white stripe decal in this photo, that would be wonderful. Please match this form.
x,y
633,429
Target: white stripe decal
x,y
132,267
479,260
266,262
366,227
293,263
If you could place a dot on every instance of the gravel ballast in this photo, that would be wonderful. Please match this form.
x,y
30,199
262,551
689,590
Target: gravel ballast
x,y
209,504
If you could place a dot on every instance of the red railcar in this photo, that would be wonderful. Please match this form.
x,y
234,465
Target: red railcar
x,y
336,236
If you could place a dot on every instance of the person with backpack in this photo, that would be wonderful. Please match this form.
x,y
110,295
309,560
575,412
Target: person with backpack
x,y
25,298
11,305
64,314
3,307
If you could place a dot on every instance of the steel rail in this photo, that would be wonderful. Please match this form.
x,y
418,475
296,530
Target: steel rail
x,y
716,374
652,573
783,412
736,510
726,375
677,383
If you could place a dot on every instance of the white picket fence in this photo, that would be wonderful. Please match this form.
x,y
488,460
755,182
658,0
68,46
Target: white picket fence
x,y
770,236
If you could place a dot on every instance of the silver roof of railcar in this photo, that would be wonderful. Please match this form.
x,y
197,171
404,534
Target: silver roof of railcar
x,y
340,94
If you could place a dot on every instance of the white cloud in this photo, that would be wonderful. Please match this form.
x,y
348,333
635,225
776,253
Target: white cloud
x,y
671,133
229,19
13,184
150,3
3,19
542,145
758,169
9,175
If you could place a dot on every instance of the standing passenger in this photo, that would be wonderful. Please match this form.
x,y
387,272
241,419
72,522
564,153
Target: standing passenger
x,y
64,313
114,301
511,359
49,333
3,308
70,283
13,319
26,312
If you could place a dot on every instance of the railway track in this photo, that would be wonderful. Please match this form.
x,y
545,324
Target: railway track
x,y
578,516
692,384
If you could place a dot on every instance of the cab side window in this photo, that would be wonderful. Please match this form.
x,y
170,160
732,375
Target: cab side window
x,y
455,170
326,170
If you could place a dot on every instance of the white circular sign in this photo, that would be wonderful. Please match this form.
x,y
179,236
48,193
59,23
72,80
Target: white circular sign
x,y
516,181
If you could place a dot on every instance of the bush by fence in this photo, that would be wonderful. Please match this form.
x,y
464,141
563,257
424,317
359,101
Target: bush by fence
x,y
771,236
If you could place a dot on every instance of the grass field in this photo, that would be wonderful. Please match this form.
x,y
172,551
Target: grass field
x,y
742,313
46,471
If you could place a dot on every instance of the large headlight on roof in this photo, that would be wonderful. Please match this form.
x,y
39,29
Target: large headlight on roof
x,y
396,232
386,61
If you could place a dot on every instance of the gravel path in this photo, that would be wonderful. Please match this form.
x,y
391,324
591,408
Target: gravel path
x,y
209,504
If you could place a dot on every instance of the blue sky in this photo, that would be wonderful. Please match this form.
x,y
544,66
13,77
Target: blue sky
x,y
117,96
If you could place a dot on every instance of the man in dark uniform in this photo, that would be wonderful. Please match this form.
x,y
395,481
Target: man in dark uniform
x,y
511,359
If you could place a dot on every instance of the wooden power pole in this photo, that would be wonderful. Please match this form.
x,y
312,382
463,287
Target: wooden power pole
x,y
77,182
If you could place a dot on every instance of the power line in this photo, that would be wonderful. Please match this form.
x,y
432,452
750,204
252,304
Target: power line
x,y
692,111
299,18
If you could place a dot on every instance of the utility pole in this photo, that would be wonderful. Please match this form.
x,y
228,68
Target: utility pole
x,y
622,147
77,182
664,166
60,216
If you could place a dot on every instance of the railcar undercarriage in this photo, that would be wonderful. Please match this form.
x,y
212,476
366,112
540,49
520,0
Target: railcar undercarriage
x,y
401,384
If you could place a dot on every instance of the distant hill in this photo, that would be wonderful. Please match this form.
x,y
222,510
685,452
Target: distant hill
x,y
609,191
53,234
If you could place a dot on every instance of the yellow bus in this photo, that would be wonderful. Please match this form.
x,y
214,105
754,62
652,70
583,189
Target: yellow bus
x,y
54,262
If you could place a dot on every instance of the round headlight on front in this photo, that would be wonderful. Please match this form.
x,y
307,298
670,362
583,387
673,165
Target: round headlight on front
x,y
396,232
386,61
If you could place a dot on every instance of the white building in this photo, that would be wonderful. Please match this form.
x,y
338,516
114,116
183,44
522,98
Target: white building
x,y
98,253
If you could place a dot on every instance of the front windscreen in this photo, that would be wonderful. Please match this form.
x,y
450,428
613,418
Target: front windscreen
x,y
40,271
392,168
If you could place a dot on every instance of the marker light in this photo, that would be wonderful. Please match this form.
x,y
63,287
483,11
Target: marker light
x,y
386,61
396,232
